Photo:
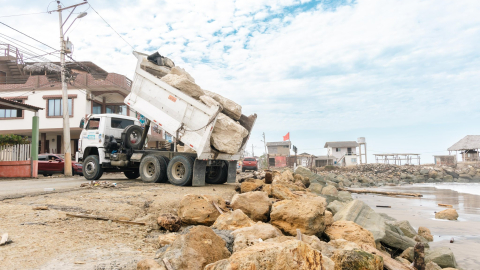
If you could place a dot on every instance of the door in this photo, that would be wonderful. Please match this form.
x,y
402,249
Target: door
x,y
59,144
55,163
42,163
47,146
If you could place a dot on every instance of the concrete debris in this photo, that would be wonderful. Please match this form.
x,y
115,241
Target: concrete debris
x,y
99,184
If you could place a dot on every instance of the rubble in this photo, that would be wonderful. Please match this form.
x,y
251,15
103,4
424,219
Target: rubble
x,y
169,222
199,210
230,108
249,236
232,221
254,204
166,239
356,259
182,83
227,135
350,231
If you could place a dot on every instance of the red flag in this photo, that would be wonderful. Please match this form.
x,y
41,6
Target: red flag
x,y
287,137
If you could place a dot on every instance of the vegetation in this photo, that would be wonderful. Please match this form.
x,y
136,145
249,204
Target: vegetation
x,y
11,139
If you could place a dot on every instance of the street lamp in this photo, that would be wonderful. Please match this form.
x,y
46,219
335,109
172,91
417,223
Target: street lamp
x,y
66,121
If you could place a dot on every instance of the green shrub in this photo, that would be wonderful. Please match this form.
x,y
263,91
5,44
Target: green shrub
x,y
11,139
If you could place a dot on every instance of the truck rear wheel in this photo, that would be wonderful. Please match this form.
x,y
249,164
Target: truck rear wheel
x,y
152,169
216,174
132,174
180,171
133,136
92,170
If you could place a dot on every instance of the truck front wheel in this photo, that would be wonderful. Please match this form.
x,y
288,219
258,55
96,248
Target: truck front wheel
x,y
180,171
92,170
152,169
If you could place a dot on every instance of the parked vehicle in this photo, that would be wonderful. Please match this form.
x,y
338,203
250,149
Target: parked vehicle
x,y
49,164
249,163
115,143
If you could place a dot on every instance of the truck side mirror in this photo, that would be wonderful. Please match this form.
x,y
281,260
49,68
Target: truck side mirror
x,y
82,123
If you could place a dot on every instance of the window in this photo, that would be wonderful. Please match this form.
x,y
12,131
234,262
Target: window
x,y
55,107
96,108
249,159
349,151
117,109
337,149
11,113
93,123
44,158
354,160
120,123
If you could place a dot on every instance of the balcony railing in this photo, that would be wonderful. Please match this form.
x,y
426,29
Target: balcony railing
x,y
9,50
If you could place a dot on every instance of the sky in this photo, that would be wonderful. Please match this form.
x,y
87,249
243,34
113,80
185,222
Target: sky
x,y
404,74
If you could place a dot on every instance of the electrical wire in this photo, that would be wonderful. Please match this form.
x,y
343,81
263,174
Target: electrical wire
x,y
22,14
28,36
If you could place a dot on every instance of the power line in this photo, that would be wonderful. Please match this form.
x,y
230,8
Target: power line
x,y
28,36
111,27
22,14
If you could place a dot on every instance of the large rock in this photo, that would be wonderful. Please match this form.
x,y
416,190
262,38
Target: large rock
x,y
425,233
406,228
335,206
227,135
330,191
166,239
180,71
344,196
282,192
395,240
230,108
356,260
251,185
232,221
360,213
195,249
209,101
306,214
149,264
328,218
199,210
442,256
315,188
169,222
255,204
182,83
291,254
248,236
432,266
350,231
450,214
314,178
305,180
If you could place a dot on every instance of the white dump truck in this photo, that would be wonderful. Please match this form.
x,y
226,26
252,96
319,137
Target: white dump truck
x,y
116,143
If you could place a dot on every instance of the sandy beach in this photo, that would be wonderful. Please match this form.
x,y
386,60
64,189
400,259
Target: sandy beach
x,y
465,198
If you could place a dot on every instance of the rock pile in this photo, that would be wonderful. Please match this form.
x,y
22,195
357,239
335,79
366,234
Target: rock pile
x,y
290,226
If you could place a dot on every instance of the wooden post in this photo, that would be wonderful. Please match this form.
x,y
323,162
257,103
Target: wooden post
x,y
419,256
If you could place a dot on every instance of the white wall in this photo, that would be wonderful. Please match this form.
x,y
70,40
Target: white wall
x,y
343,151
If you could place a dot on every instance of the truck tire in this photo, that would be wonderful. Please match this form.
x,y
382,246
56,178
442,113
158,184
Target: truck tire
x,y
164,163
92,170
217,176
132,174
152,168
180,171
133,137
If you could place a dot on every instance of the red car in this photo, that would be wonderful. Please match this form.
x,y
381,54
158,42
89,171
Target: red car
x,y
48,164
249,163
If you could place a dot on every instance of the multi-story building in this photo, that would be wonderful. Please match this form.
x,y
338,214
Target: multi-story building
x,y
343,153
90,90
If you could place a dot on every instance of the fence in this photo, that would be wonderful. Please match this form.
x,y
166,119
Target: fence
x,y
17,152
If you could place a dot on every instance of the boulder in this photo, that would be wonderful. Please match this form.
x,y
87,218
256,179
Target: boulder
x,y
180,71
166,239
406,228
282,192
292,254
350,231
425,233
356,260
227,135
226,236
343,244
344,196
395,240
304,180
232,221
448,178
328,218
360,213
407,254
313,177
169,222
182,83
199,210
335,206
306,214
254,204
195,249
315,188
432,266
267,188
450,214
209,101
248,236
230,108
404,261
286,176
442,256
251,185
149,264
330,191
387,217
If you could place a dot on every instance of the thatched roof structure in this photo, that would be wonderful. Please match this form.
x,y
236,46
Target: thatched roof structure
x,y
467,143
42,68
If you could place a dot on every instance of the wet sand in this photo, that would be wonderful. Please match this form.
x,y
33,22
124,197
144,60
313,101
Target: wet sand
x,y
421,212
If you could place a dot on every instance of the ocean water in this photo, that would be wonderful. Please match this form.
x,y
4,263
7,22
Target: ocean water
x,y
468,188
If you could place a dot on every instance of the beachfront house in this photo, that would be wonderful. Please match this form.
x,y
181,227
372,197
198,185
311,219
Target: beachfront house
x,y
468,147
343,153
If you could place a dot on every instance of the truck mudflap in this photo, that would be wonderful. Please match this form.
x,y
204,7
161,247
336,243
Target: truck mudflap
x,y
232,172
199,171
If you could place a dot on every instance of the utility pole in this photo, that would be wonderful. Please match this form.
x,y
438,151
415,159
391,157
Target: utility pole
x,y
253,154
266,153
66,115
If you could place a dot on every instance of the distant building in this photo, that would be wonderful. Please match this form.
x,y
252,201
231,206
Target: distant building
x,y
449,160
305,160
468,147
279,153
343,153
323,161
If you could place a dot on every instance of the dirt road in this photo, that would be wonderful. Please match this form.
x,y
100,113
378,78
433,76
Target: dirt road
x,y
49,240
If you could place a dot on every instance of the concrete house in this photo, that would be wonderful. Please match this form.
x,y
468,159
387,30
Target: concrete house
x,y
90,90
343,153
278,153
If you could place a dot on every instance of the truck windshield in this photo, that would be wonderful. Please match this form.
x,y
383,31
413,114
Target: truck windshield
x,y
93,123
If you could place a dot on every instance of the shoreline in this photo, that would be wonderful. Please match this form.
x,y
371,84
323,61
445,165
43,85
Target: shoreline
x,y
421,212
